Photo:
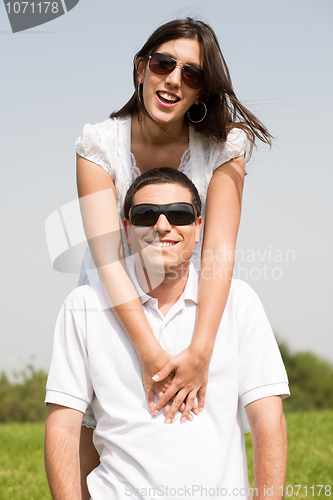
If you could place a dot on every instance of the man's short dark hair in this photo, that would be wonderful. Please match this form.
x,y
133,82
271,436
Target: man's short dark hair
x,y
163,175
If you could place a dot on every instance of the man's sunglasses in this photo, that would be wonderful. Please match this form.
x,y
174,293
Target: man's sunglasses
x,y
161,64
147,214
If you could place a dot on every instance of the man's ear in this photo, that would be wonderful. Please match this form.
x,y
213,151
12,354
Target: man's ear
x,y
198,226
140,67
127,227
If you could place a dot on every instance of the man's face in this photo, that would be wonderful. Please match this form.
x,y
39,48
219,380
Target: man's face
x,y
163,246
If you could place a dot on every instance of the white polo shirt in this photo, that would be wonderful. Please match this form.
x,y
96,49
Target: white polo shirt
x,y
94,361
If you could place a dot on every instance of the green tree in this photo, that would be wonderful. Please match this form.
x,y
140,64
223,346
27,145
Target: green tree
x,y
23,400
310,379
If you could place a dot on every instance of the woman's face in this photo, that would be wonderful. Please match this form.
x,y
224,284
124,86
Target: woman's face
x,y
166,97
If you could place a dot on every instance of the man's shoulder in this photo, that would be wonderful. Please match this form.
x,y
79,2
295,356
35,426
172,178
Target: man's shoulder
x,y
242,294
89,297
241,287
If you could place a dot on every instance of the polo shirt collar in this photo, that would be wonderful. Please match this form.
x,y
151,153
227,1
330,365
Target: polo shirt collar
x,y
191,288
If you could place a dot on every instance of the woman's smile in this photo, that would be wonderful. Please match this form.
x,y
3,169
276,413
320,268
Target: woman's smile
x,y
166,97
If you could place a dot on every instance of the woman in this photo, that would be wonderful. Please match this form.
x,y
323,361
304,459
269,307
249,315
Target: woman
x,y
183,114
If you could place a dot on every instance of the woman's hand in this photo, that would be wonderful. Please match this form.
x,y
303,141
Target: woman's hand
x,y
190,369
161,387
151,387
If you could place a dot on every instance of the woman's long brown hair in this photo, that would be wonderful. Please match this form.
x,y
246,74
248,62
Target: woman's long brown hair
x,y
225,111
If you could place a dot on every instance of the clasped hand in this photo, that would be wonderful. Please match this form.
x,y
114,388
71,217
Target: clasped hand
x,y
180,380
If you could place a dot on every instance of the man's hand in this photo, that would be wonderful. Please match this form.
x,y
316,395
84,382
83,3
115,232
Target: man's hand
x,y
269,435
62,438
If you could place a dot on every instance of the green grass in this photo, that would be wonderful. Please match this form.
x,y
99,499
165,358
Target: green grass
x,y
310,454
310,457
22,475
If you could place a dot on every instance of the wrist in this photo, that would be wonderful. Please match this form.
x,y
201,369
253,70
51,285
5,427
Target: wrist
x,y
201,350
152,355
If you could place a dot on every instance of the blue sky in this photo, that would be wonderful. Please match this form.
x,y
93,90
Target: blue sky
x,y
78,68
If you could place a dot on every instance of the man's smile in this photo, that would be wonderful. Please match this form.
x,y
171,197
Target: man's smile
x,y
162,244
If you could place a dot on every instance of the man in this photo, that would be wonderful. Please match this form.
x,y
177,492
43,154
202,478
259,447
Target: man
x,y
94,361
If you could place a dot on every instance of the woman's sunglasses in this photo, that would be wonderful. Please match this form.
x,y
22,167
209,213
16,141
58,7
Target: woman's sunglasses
x,y
147,214
161,64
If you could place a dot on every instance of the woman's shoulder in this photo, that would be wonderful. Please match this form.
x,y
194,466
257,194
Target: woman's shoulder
x,y
97,142
99,130
236,137
235,146
214,152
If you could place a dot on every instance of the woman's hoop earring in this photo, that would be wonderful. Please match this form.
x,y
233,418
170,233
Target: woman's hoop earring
x,y
139,92
204,116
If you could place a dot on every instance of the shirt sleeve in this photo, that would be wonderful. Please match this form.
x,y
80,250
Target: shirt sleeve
x,y
234,147
261,369
94,145
69,382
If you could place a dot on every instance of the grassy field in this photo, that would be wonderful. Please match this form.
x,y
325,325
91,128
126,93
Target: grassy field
x,y
22,475
310,454
310,460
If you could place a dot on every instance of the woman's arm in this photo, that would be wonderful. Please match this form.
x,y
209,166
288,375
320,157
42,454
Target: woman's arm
x,y
99,211
224,199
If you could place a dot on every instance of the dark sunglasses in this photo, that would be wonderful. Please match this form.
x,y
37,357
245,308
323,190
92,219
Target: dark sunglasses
x,y
147,214
161,64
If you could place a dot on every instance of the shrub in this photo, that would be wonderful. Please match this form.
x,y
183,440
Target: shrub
x,y
23,400
310,379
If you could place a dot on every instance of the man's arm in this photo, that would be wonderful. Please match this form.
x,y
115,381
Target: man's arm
x,y
89,459
269,435
62,438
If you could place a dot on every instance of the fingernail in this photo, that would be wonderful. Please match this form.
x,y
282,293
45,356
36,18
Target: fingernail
x,y
155,413
182,420
190,417
168,421
156,378
196,412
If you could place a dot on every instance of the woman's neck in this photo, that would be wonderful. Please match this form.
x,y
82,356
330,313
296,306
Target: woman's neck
x,y
152,134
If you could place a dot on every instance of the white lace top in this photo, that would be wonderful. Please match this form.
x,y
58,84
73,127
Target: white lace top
x,y
108,144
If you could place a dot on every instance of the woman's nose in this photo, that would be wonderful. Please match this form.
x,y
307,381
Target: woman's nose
x,y
175,77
